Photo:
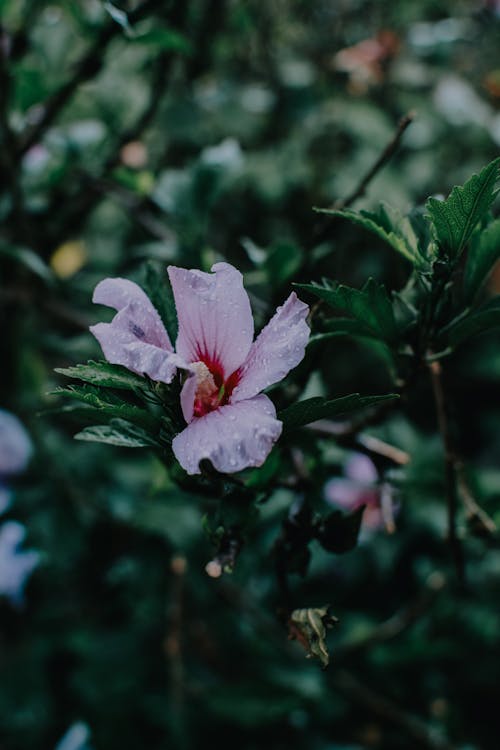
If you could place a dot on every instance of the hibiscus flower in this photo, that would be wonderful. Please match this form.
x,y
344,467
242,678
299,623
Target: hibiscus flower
x,y
229,421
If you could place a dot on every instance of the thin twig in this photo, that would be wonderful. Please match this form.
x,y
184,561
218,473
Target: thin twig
x,y
473,509
435,370
382,160
397,623
174,651
87,67
414,727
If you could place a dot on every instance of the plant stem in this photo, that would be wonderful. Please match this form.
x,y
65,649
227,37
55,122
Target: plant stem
x,y
451,461
382,160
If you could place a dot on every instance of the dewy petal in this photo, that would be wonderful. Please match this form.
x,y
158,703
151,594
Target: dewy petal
x,y
143,318
232,437
136,337
215,319
278,349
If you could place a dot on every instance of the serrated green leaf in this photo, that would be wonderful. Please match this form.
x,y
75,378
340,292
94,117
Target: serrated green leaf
x,y
370,306
389,225
455,218
104,374
157,286
485,318
338,532
118,432
483,254
312,409
107,404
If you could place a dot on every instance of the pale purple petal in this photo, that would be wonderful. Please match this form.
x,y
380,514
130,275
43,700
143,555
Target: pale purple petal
x,y
361,468
279,348
215,319
232,437
136,337
188,393
344,493
142,317
349,495
15,444
15,565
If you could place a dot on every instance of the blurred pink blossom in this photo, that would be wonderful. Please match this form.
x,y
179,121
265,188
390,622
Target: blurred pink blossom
x,y
360,486
229,421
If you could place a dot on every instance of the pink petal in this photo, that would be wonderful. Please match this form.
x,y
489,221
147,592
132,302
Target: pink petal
x,y
344,493
143,318
136,337
349,495
361,468
278,349
233,437
215,319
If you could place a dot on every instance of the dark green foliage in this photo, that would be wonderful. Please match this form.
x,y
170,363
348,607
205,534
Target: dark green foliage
x,y
455,218
338,532
312,409
142,133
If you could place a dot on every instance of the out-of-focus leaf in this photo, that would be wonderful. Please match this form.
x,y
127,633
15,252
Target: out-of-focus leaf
x,y
104,374
483,254
389,225
118,432
455,218
339,532
313,409
481,320
283,262
165,39
29,260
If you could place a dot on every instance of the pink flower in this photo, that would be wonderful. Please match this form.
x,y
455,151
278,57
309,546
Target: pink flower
x,y
229,421
359,486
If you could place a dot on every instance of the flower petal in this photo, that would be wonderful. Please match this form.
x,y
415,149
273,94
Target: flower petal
x,y
143,318
215,319
277,349
361,468
233,437
15,444
136,337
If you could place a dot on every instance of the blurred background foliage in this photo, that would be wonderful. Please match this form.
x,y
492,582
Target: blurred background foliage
x,y
189,132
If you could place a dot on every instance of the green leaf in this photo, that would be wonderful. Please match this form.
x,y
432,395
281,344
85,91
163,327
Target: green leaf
x,y
315,408
338,532
391,226
370,306
455,218
157,286
485,318
107,404
282,262
117,432
483,254
165,39
104,374
29,260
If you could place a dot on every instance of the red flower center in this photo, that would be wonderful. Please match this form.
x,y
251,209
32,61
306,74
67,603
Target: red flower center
x,y
212,389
